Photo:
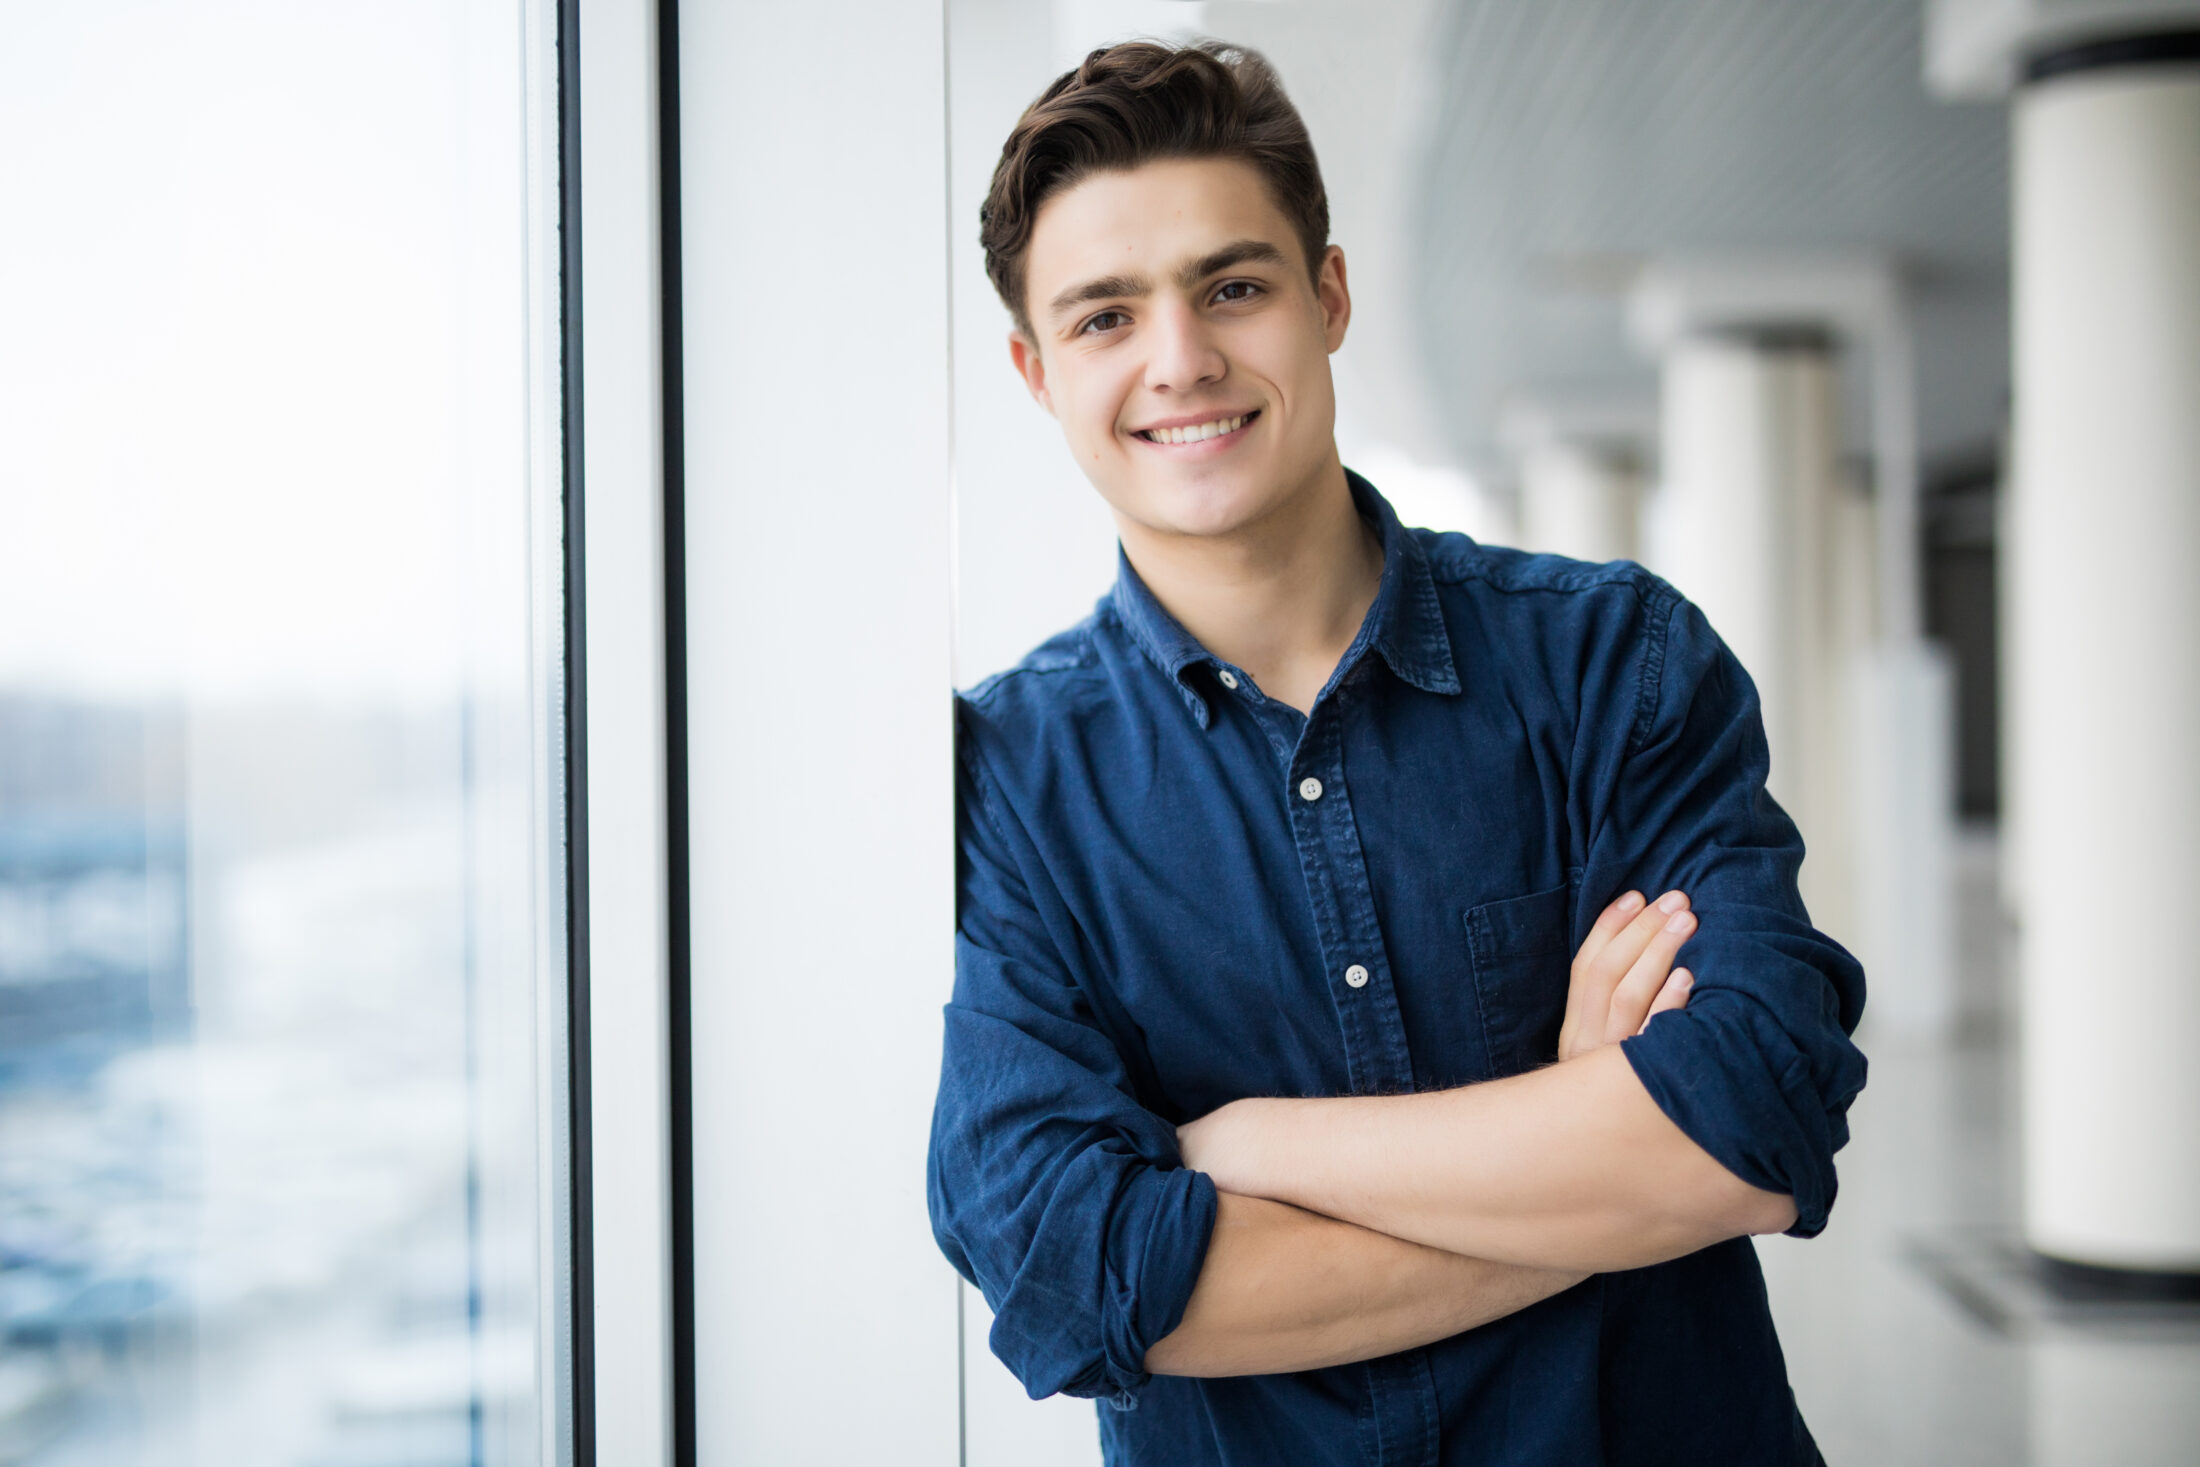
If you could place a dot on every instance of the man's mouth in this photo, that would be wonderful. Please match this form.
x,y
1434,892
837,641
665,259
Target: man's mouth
x,y
1198,432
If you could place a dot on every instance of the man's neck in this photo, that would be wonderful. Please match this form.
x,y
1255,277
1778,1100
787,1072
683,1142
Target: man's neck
x,y
1283,598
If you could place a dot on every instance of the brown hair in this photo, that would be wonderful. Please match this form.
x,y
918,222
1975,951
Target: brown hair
x,y
1137,103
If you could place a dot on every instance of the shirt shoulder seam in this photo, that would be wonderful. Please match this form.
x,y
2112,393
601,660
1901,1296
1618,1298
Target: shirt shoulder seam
x,y
1455,567
1657,624
1655,600
1078,658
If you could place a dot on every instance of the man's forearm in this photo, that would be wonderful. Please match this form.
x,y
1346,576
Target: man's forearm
x,y
1285,1289
1570,1167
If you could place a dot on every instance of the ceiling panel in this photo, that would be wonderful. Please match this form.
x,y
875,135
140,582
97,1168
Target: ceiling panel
x,y
1574,139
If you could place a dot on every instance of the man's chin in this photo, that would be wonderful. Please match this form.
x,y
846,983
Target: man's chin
x,y
1204,511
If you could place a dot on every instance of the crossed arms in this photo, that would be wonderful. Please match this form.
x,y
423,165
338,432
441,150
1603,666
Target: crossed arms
x,y
1352,1228
1275,1235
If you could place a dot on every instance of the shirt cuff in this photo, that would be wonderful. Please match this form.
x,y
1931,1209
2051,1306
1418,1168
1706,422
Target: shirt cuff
x,y
1725,1072
1151,1272
1157,1229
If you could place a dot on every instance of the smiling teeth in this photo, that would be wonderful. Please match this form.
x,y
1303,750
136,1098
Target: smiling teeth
x,y
1197,431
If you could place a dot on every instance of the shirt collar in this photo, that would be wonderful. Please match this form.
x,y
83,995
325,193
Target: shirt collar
x,y
1405,625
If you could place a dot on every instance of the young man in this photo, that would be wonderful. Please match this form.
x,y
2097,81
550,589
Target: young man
x,y
1272,1112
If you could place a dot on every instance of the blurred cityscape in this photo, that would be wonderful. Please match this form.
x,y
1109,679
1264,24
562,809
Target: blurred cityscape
x,y
271,928
237,1188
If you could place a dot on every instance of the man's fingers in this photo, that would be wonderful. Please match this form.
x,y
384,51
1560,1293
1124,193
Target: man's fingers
x,y
1672,996
1632,998
1615,916
1589,990
1622,933
1618,956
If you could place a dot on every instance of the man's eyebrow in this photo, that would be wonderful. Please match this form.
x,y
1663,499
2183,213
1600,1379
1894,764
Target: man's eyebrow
x,y
1237,252
1104,288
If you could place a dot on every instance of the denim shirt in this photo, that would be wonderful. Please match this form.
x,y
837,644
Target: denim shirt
x,y
1174,892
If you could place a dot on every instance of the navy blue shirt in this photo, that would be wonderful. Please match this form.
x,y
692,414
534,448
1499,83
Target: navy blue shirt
x,y
1164,878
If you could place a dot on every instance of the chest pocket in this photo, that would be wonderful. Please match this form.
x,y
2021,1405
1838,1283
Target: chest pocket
x,y
1522,961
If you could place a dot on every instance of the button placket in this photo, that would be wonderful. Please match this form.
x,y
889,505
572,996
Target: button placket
x,y
1335,870
1345,909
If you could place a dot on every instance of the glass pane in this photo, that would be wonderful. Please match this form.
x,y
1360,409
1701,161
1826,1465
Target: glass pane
x,y
281,871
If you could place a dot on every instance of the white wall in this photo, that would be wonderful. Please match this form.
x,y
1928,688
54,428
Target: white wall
x,y
813,176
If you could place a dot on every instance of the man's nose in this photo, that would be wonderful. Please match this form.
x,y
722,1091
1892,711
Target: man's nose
x,y
1183,351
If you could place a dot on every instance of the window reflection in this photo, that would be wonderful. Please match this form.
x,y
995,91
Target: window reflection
x,y
280,909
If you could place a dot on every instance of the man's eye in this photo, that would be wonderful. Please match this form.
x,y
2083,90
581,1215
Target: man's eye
x,y
1237,290
1104,321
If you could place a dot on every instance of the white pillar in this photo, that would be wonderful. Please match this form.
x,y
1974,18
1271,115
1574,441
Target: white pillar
x,y
1755,525
1749,432
820,767
1755,522
2107,676
1580,499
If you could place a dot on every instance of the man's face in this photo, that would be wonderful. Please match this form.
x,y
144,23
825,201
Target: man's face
x,y
1182,345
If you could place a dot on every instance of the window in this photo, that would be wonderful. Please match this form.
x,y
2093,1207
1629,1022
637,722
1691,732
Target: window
x,y
282,849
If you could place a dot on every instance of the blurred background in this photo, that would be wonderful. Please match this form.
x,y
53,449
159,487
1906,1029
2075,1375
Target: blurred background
x,y
1781,299
277,741
1872,324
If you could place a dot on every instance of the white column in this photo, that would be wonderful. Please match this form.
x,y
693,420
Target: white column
x,y
1814,588
1749,432
1755,524
2107,676
1580,499
821,768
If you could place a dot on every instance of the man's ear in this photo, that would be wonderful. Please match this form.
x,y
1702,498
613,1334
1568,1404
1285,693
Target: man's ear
x,y
1335,296
1024,353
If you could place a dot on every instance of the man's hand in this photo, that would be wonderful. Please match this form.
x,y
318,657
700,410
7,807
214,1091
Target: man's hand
x,y
1624,977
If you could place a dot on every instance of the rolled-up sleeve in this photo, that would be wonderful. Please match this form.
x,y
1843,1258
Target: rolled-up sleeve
x,y
1758,1068
1051,1188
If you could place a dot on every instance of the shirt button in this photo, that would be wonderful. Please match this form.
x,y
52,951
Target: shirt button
x,y
1310,788
1228,679
1356,976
